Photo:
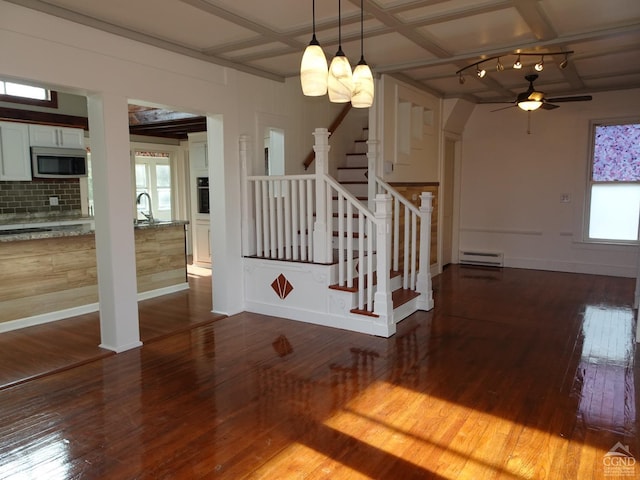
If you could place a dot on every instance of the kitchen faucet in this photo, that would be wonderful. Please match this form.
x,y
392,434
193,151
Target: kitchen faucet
x,y
150,215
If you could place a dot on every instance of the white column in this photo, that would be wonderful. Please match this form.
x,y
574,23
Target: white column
x,y
248,215
372,156
321,227
382,302
114,206
423,282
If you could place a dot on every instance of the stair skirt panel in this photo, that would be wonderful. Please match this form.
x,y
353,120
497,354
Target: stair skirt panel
x,y
300,291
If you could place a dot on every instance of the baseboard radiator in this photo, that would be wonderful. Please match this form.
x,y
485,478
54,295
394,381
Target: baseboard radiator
x,y
484,259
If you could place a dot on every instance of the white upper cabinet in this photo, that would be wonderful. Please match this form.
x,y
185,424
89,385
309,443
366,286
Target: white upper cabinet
x,y
15,162
48,136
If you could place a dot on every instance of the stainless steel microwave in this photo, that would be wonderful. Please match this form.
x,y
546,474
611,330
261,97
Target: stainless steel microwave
x,y
51,162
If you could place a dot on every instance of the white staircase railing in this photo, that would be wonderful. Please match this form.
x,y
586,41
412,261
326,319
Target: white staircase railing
x,y
413,256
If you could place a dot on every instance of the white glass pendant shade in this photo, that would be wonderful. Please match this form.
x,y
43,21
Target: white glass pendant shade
x,y
363,89
340,83
313,70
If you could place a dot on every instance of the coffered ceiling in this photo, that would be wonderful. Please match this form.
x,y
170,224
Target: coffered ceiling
x,y
422,42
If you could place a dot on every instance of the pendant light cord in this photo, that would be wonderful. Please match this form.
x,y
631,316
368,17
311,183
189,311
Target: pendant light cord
x,y
361,31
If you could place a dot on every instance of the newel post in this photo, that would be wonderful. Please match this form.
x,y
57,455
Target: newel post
x,y
382,302
248,220
321,233
423,282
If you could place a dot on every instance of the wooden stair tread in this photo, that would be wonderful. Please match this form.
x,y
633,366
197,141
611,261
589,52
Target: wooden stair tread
x,y
399,297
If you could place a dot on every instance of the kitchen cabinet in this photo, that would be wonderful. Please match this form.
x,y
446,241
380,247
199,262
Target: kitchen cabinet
x,y
202,243
48,136
15,162
198,155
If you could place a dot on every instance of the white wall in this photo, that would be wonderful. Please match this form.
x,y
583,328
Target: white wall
x,y
511,184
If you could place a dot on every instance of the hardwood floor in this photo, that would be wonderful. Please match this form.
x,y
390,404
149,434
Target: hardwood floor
x,y
515,374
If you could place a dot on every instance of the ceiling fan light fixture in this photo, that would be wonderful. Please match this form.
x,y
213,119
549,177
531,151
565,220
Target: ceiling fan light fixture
x,y
540,65
518,64
530,105
313,67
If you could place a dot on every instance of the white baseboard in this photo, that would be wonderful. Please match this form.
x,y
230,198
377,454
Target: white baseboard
x,y
82,310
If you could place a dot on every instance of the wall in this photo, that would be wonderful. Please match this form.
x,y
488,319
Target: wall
x,y
512,181
411,122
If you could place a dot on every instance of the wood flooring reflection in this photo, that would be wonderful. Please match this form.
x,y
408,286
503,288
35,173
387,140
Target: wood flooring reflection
x,y
515,374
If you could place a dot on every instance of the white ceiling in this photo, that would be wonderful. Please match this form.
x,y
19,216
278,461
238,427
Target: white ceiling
x,y
422,42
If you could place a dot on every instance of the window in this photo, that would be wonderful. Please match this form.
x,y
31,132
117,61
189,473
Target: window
x,y
27,94
153,176
614,182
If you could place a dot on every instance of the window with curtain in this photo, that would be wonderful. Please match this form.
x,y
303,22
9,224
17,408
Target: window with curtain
x,y
153,176
614,182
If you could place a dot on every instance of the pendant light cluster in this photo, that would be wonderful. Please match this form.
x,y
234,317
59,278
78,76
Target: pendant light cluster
x,y
318,78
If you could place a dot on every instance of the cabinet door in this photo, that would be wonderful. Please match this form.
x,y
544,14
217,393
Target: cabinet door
x,y
15,162
47,136
71,137
198,156
202,250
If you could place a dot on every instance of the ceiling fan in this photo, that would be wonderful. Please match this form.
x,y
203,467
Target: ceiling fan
x,y
533,99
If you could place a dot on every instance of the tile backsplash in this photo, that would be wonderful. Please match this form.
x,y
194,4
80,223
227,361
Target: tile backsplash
x,y
33,197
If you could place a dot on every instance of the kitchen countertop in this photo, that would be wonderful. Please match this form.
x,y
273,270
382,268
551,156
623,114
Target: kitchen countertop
x,y
56,227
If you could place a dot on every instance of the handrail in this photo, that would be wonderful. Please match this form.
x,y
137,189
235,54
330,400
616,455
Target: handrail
x,y
394,193
351,198
332,128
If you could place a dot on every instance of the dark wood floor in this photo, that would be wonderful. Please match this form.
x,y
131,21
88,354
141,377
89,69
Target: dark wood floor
x,y
515,374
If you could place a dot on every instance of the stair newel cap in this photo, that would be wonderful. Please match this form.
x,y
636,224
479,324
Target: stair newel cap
x,y
322,139
426,202
383,205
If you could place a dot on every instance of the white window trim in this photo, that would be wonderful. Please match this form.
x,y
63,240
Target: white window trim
x,y
587,203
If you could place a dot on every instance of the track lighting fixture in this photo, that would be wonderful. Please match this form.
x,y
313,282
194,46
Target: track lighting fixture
x,y
313,68
518,64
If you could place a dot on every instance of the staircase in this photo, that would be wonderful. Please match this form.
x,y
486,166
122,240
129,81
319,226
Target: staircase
x,y
354,177
318,251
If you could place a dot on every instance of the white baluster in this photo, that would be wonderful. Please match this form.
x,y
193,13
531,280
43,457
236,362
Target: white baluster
x,y
350,245
294,219
259,218
341,259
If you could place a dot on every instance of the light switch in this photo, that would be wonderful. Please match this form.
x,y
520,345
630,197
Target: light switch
x,y
53,201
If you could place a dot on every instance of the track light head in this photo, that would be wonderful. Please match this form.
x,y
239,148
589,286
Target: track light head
x,y
499,66
480,73
565,62
540,65
461,79
518,64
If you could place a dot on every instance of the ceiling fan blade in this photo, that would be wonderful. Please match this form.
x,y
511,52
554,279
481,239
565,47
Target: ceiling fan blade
x,y
503,108
536,96
548,106
579,98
